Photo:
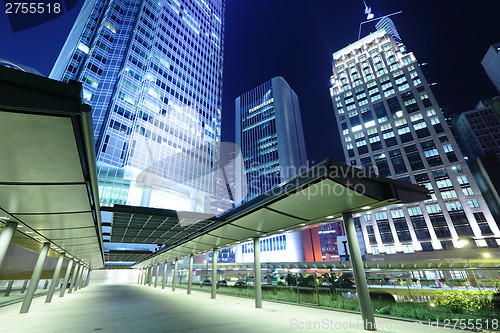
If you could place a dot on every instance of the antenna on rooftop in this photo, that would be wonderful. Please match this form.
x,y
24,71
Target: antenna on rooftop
x,y
368,11
371,17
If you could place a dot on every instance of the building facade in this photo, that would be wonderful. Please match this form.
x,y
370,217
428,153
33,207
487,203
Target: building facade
x,y
269,132
152,72
391,124
478,132
491,64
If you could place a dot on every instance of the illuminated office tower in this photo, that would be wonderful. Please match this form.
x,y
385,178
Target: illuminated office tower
x,y
269,132
390,122
152,72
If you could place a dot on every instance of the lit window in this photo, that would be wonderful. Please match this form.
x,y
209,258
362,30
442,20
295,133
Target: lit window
x,y
473,203
408,248
467,191
390,249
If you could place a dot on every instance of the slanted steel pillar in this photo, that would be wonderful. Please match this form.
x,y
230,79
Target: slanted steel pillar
x,y
174,276
35,278
156,278
365,303
25,284
78,277
190,274
6,237
66,278
256,272
150,275
214,273
164,278
55,278
74,275
9,288
87,281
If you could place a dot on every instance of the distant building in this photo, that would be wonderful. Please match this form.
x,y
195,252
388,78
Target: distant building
x,y
491,64
269,132
478,132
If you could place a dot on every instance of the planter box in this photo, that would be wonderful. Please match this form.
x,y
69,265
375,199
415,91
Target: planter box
x,y
488,283
400,283
458,283
428,283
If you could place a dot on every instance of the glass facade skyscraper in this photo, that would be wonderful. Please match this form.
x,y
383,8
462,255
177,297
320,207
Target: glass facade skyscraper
x,y
152,72
390,122
269,132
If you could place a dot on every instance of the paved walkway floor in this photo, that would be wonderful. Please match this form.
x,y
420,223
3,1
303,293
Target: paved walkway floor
x,y
133,308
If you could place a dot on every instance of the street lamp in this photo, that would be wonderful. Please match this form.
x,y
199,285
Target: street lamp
x,y
462,242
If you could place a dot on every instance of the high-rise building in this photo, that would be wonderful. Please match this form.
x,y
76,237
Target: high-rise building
x,y
491,64
390,122
152,72
269,132
478,132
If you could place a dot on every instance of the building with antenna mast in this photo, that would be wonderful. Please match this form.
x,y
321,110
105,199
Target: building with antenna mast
x,y
391,124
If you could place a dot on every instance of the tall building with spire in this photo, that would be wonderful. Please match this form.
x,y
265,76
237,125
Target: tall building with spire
x,y
390,123
152,72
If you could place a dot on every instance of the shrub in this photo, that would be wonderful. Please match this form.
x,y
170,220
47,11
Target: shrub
x,y
466,301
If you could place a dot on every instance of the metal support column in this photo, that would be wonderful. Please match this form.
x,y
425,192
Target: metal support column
x,y
156,278
214,273
190,274
25,284
256,272
66,278
55,278
84,273
164,278
77,280
150,275
6,237
139,276
35,278
174,276
365,303
87,280
9,288
74,274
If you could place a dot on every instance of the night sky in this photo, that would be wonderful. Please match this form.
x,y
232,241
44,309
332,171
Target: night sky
x,y
295,39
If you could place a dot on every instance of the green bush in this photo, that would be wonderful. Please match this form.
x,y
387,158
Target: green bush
x,y
465,301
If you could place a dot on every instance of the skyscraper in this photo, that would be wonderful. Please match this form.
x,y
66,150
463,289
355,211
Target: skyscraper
x,y
491,64
269,132
152,72
390,122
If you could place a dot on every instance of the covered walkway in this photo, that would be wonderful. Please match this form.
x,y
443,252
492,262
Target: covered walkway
x,y
134,308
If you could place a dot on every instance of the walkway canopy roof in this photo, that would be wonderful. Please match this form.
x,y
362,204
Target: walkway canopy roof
x,y
321,193
48,181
